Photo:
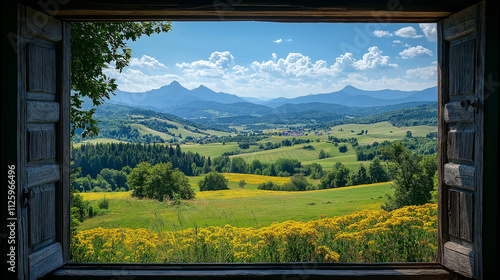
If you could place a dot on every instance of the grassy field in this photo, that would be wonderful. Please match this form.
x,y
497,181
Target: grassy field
x,y
306,156
180,129
240,207
210,150
379,131
98,141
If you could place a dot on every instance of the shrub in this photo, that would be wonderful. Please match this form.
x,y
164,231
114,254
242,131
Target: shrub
x,y
213,181
343,148
103,203
242,184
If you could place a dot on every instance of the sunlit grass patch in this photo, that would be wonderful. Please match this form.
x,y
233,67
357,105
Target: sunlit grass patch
x,y
255,179
110,195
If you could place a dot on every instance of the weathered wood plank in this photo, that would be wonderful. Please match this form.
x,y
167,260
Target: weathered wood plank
x,y
462,68
480,149
39,111
376,11
48,214
41,144
459,259
43,175
34,212
460,210
459,175
63,150
41,96
443,98
45,260
459,24
42,214
41,69
461,145
42,26
466,218
453,212
254,271
454,113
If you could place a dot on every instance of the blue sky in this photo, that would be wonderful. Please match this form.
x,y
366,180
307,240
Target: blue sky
x,y
271,60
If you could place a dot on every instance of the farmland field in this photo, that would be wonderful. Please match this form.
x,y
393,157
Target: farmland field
x,y
380,131
210,150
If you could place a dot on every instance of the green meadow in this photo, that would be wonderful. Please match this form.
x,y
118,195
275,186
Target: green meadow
x,y
240,207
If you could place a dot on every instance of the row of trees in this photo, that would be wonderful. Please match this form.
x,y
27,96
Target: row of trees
x,y
421,145
93,158
108,180
340,176
298,182
413,177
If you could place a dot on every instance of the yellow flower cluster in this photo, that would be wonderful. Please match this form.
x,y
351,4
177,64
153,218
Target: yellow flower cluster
x,y
404,235
255,179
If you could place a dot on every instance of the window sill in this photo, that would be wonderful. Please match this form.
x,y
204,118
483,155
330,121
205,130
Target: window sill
x,y
295,271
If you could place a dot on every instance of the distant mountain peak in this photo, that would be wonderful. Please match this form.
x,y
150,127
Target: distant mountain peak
x,y
349,87
202,87
175,83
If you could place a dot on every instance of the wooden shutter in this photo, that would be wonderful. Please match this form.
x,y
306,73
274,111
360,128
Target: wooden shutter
x,y
43,142
461,118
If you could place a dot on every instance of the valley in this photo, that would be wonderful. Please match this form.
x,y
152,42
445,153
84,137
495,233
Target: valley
x,y
284,162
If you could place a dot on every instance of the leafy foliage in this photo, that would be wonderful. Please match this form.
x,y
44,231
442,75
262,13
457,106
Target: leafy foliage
x,y
377,172
413,177
93,158
338,177
298,182
213,181
159,182
94,48
421,145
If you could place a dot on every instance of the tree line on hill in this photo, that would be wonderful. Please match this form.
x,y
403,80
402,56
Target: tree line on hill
x,y
340,176
421,145
413,177
104,167
420,115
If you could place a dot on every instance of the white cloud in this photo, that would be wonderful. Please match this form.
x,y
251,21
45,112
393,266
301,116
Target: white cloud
x,y
215,66
146,62
293,75
374,59
407,32
362,82
382,33
396,42
430,31
425,73
417,51
294,65
278,41
345,63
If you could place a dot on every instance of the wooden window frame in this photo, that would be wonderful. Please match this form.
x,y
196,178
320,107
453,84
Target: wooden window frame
x,y
346,11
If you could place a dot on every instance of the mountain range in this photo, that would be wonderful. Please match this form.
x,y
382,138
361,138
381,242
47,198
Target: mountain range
x,y
203,102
